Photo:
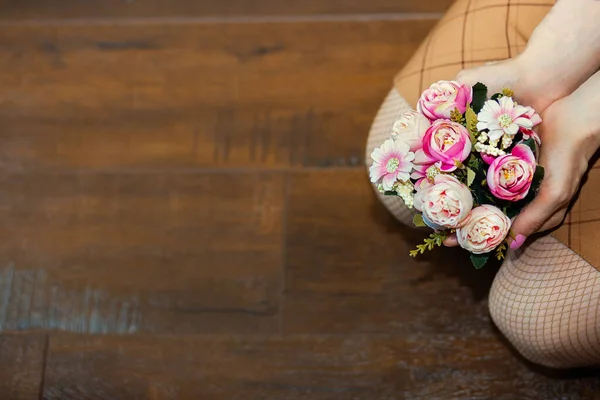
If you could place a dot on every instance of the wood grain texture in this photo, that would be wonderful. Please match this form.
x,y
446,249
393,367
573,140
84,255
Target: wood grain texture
x,y
171,253
295,367
156,96
21,365
67,9
348,268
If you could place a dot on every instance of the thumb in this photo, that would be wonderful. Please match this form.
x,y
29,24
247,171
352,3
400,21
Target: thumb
x,y
532,218
495,76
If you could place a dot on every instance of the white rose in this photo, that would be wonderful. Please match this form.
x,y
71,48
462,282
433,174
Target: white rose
x,y
446,203
484,229
410,129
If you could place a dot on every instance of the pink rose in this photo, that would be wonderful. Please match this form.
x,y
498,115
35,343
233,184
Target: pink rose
x,y
487,158
446,144
530,134
483,230
410,128
509,177
444,97
445,203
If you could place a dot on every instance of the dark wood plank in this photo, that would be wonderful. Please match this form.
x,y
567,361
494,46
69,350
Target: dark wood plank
x,y
36,9
170,253
152,96
296,367
21,366
348,268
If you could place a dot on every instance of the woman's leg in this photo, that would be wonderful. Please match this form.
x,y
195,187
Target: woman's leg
x,y
391,109
546,300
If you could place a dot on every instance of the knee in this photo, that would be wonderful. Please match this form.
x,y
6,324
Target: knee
x,y
529,321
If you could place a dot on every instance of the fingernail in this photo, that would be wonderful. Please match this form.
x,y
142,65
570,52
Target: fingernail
x,y
518,242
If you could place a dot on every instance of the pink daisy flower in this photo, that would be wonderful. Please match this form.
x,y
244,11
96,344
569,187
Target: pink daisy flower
x,y
391,162
503,117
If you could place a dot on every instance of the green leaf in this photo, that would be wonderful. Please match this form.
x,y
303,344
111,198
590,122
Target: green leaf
x,y
496,96
539,173
470,176
418,221
512,212
538,177
474,162
390,193
479,260
531,144
479,96
471,119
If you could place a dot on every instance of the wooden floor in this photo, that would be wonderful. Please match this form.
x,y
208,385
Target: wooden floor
x,y
185,213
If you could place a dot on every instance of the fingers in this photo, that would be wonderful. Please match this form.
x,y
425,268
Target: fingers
x,y
547,210
555,220
451,240
495,76
531,219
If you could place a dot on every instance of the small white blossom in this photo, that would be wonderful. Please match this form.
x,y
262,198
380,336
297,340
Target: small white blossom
x,y
488,149
406,192
432,172
483,137
506,141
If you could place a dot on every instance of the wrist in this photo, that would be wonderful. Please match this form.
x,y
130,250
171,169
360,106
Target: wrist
x,y
539,85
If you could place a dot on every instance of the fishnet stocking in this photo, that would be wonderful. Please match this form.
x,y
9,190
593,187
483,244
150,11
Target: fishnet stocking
x,y
545,298
391,109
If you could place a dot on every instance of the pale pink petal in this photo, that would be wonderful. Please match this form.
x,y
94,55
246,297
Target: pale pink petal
x,y
506,104
402,147
512,129
524,122
495,134
417,174
403,176
524,152
482,125
422,158
388,181
378,156
485,116
376,172
495,107
535,119
518,111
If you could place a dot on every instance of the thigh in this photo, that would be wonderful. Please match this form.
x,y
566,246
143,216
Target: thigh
x,y
471,33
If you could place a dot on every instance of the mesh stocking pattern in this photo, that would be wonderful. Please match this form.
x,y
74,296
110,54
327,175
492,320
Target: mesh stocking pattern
x,y
546,300
393,106
546,297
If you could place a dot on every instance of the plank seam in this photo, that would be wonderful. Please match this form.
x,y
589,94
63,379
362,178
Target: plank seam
x,y
284,223
260,19
44,363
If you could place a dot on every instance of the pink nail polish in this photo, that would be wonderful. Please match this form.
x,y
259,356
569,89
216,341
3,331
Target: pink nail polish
x,y
518,242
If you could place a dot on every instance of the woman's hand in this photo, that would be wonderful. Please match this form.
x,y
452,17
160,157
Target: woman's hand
x,y
570,133
551,75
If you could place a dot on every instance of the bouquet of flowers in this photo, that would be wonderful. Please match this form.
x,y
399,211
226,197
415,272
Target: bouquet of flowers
x,y
467,163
